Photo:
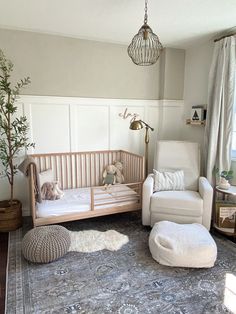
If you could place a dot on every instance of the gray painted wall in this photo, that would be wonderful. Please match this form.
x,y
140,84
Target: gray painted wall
x,y
198,62
172,68
63,66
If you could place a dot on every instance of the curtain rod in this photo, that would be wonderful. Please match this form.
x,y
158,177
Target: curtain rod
x,y
222,37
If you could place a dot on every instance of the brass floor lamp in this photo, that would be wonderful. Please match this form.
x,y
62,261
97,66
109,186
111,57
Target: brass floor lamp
x,y
138,125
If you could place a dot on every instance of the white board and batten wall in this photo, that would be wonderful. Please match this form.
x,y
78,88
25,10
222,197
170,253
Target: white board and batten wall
x,y
70,124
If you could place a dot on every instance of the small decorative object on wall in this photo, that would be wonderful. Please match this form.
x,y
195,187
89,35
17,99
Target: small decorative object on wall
x,y
13,132
138,125
145,48
125,115
197,113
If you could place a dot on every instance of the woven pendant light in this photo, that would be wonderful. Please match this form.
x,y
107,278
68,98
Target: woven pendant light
x,y
145,48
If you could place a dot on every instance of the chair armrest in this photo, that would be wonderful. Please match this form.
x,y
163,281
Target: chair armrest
x,y
147,193
206,192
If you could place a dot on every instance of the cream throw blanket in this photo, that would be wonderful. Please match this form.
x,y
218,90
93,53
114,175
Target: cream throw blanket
x,y
24,168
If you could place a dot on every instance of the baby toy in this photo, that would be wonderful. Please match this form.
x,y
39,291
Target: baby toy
x,y
109,175
119,172
51,191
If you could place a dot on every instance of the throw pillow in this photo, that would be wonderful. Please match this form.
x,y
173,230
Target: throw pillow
x,y
168,181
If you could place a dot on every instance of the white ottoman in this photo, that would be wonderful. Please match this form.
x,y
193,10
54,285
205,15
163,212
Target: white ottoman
x,y
187,245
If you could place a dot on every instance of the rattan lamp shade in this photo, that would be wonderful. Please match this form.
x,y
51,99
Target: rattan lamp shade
x,y
145,48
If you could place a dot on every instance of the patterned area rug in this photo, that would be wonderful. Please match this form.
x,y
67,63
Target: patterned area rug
x,y
127,281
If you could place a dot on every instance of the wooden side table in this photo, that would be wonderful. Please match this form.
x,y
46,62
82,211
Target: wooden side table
x,y
226,224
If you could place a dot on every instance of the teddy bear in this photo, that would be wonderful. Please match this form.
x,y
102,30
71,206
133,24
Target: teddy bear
x,y
119,172
109,175
51,191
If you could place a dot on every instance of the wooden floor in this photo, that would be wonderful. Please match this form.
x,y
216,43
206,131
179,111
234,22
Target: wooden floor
x,y
3,265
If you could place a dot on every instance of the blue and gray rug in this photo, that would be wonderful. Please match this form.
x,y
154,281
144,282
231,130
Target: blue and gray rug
x,y
128,281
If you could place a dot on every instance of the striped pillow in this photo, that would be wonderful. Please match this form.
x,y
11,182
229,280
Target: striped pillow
x,y
168,181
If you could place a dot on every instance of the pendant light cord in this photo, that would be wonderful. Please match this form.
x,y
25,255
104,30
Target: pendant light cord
x,y
145,15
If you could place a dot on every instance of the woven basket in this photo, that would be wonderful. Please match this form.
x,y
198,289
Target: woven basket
x,y
10,215
46,244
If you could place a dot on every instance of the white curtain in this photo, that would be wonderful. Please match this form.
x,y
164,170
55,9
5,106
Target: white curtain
x,y
219,122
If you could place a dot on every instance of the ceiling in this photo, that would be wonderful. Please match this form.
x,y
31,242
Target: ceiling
x,y
178,23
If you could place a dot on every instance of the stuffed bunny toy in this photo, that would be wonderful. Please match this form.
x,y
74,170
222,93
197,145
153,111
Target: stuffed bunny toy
x,y
119,175
51,191
109,175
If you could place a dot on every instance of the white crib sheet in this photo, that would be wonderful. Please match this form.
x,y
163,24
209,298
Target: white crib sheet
x,y
79,200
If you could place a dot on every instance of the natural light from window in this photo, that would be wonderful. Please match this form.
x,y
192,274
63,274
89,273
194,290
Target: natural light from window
x,y
230,292
234,137
233,153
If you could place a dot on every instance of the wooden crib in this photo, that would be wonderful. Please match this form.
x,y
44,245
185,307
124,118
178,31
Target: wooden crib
x,y
80,170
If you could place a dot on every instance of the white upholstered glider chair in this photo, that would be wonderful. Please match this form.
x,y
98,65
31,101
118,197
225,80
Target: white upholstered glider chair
x,y
194,203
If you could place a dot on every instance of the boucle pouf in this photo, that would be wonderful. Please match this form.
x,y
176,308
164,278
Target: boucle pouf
x,y
182,245
45,244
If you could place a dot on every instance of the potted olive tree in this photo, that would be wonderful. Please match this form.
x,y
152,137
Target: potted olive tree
x,y
13,139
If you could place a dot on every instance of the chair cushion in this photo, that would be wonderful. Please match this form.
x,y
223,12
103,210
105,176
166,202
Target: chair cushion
x,y
175,155
182,245
188,203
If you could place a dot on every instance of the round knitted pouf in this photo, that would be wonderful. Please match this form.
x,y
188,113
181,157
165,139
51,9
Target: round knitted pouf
x,y
45,244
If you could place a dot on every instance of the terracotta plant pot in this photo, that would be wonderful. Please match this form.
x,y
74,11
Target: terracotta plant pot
x,y
10,216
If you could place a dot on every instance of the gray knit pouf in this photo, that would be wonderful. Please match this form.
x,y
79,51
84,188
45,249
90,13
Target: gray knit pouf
x,y
45,244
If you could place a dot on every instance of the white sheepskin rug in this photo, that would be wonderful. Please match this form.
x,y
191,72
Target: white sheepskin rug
x,y
92,240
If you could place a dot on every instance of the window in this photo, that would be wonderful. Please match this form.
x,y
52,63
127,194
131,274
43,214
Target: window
x,y
233,152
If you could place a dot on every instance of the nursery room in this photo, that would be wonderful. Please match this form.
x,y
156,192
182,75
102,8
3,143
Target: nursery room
x,y
118,156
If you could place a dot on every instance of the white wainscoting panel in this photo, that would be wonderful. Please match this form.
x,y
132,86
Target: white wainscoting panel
x,y
170,120
62,124
50,127
91,128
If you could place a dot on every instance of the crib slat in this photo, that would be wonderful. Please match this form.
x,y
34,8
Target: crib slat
x,y
61,177
40,168
55,166
95,169
99,166
85,167
81,173
90,169
92,198
76,171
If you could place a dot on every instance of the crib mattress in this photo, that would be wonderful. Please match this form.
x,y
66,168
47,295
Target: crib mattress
x,y
79,200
